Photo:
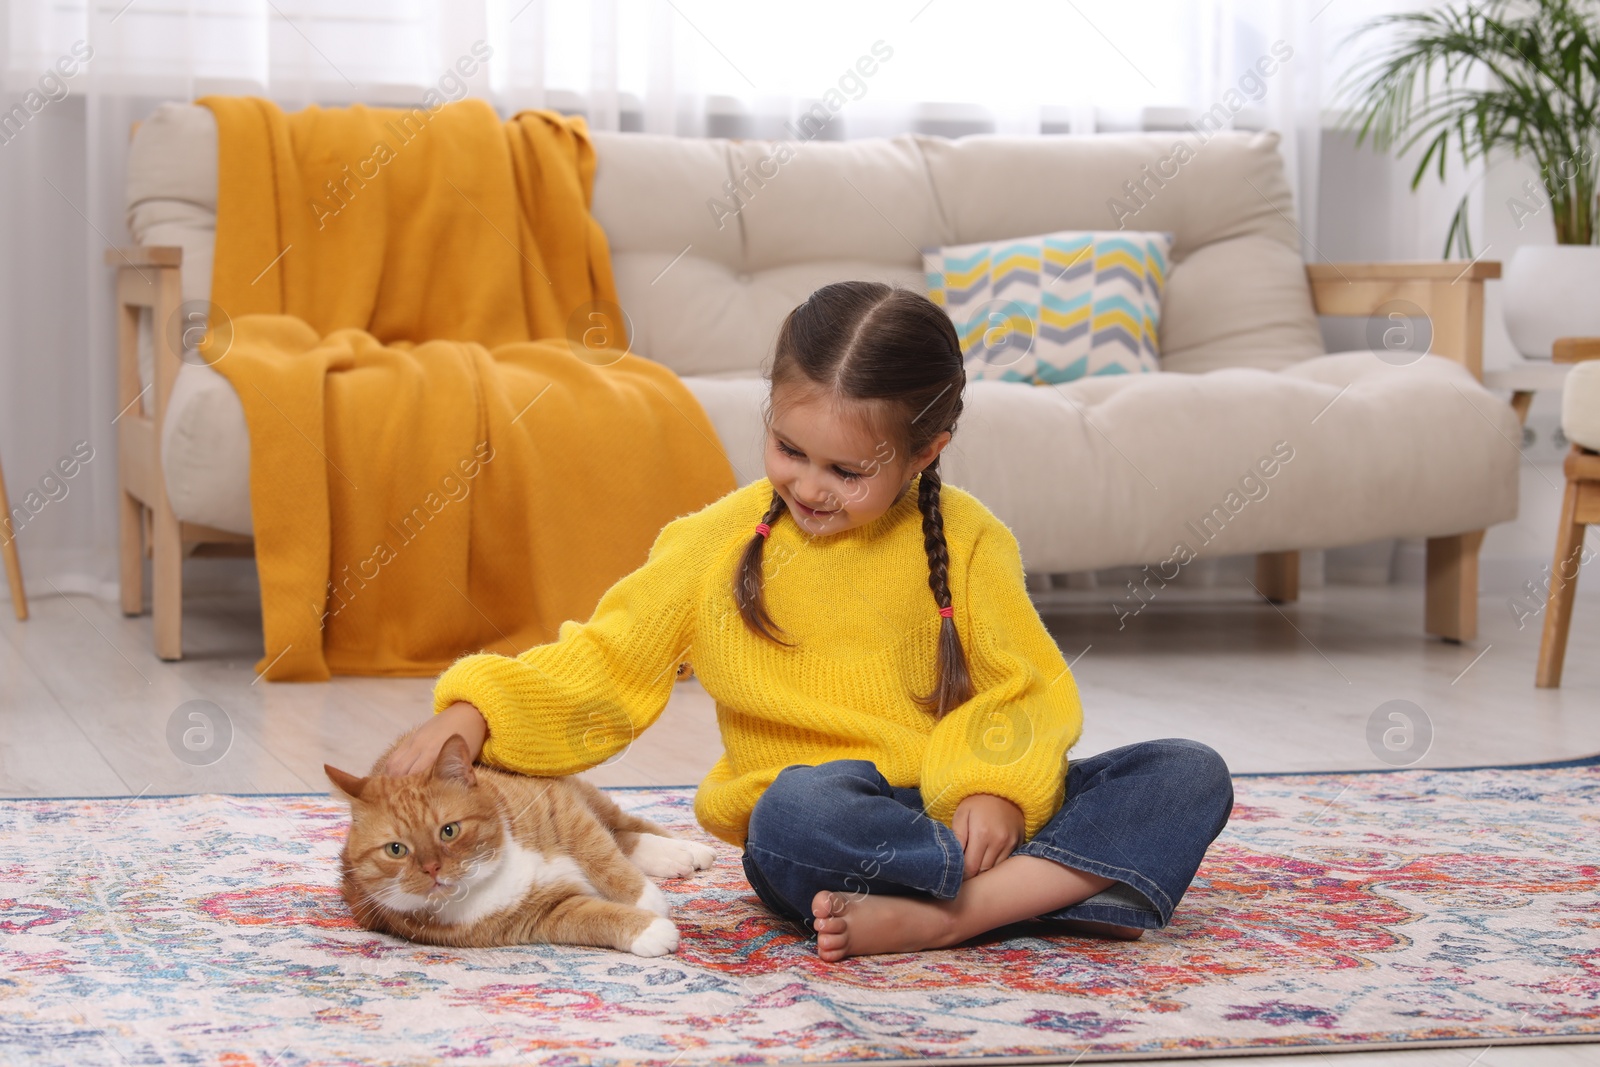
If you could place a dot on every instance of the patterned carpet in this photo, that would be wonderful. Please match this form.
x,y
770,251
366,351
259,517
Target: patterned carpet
x,y
1403,908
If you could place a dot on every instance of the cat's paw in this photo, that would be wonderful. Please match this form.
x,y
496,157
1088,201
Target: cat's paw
x,y
652,899
668,857
658,939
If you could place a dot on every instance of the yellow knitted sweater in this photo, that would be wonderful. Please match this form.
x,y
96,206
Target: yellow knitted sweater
x,y
864,627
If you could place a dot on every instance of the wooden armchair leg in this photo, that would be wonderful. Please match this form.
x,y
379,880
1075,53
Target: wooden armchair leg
x,y
167,579
1563,587
8,540
148,283
130,535
1278,576
1452,597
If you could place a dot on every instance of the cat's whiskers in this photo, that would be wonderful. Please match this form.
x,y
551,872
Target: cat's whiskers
x,y
476,867
363,908
368,909
388,892
397,898
479,860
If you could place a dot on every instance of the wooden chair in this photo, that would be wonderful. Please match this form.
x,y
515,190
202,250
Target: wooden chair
x,y
8,538
1579,507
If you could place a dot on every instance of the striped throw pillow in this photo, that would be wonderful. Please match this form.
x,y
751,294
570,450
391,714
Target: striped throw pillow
x,y
1057,307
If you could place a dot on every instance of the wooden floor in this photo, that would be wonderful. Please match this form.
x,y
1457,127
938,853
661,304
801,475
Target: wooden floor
x,y
86,709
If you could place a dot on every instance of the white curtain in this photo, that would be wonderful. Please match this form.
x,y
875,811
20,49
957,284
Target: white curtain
x,y
78,75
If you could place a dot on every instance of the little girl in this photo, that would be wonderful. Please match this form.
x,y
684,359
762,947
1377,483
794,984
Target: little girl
x,y
896,718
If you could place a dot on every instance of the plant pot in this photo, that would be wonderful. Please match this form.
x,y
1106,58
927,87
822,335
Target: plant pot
x,y
1551,291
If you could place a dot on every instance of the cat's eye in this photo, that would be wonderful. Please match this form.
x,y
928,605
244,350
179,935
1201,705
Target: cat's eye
x,y
395,849
448,831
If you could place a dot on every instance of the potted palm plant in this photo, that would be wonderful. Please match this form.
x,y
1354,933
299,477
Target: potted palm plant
x,y
1501,78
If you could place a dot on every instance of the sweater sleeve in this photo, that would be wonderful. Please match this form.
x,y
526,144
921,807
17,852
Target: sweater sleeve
x,y
1011,738
569,705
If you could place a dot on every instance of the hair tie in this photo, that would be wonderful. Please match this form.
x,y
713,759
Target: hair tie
x,y
763,529
948,613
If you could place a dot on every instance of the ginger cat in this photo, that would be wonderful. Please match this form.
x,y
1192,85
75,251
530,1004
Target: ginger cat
x,y
472,857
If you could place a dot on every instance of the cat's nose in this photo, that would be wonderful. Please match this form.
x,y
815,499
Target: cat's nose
x,y
431,869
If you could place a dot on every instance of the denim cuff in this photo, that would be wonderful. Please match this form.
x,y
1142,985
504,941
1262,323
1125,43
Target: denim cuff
x,y
954,863
1157,905
1114,914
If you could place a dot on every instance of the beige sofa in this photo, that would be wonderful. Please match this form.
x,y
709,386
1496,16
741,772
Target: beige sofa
x,y
713,241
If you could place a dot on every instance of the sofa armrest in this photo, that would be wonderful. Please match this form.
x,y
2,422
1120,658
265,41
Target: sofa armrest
x,y
1450,294
1575,349
145,256
147,277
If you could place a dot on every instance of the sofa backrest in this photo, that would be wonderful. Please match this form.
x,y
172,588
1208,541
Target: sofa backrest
x,y
758,225
713,241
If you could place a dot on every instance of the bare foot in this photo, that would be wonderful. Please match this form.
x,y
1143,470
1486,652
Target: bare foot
x,y
852,925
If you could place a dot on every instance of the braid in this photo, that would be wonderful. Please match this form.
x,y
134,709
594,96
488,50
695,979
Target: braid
x,y
747,579
933,534
954,685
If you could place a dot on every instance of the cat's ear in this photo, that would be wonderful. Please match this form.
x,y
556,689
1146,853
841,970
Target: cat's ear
x,y
455,762
345,782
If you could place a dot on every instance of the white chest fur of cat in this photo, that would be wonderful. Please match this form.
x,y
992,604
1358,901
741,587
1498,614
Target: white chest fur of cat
x,y
472,857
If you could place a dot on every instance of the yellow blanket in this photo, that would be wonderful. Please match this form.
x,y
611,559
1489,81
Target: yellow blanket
x,y
435,468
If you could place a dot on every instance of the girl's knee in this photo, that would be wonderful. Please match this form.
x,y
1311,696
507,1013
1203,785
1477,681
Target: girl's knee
x,y
1195,757
1198,765
804,797
804,787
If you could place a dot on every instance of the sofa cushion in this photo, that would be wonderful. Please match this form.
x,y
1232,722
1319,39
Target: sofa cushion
x,y
1113,475
650,195
1228,189
1240,302
173,157
713,242
845,202
867,209
720,323
1056,307
172,200
205,451
1358,449
1580,405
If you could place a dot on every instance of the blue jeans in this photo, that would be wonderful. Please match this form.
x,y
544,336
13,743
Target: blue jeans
x,y
1142,814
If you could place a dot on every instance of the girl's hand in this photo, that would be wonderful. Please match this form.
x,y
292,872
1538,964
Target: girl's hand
x,y
989,829
417,753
